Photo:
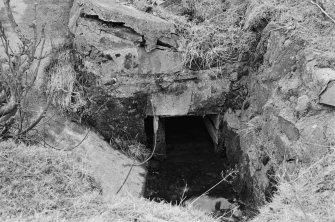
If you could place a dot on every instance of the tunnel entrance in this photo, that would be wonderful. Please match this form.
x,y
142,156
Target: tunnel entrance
x,y
190,164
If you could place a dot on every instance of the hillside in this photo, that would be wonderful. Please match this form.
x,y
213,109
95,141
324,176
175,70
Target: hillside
x,y
229,101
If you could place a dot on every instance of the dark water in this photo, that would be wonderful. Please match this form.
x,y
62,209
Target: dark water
x,y
191,166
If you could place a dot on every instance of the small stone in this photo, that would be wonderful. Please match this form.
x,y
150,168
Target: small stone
x,y
302,103
288,128
287,42
142,5
233,76
292,99
237,213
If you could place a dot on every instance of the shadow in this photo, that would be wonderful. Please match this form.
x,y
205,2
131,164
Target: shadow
x,y
191,166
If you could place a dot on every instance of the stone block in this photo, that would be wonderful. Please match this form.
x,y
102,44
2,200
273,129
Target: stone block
x,y
302,103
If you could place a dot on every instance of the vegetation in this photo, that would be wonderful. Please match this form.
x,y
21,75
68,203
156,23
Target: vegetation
x,y
218,32
215,34
18,74
39,184
307,196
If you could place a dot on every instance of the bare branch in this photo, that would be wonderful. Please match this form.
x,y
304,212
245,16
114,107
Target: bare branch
x,y
13,23
10,106
39,58
39,118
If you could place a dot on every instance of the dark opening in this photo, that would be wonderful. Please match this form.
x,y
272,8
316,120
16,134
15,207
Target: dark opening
x,y
191,165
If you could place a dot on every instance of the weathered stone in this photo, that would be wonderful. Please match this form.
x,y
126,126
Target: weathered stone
x,y
302,103
328,95
113,12
112,49
159,62
233,76
171,105
288,128
314,136
142,5
330,130
282,151
324,75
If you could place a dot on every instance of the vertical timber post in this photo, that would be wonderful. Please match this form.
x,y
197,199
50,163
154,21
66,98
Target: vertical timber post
x,y
212,124
160,138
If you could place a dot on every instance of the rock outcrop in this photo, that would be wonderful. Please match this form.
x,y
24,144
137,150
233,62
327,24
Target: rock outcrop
x,y
133,61
289,119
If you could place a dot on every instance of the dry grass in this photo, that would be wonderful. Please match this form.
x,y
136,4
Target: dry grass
x,y
303,20
63,80
39,184
132,148
220,32
216,34
39,180
309,196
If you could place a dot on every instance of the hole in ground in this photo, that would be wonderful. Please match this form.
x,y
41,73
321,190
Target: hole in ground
x,y
190,166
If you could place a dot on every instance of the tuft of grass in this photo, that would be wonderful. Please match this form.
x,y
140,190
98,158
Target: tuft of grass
x,y
132,148
215,35
63,81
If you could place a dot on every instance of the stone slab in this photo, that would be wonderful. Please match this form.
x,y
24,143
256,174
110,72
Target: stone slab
x,y
152,28
328,95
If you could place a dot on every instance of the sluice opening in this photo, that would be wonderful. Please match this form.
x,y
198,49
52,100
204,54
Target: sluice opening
x,y
186,164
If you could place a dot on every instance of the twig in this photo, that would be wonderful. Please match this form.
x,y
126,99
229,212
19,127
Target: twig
x,y
151,155
67,149
13,23
323,11
39,118
223,179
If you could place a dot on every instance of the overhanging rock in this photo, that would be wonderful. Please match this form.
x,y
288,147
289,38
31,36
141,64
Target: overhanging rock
x,y
152,28
136,69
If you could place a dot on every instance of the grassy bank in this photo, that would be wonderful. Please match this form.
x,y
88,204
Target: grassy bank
x,y
41,184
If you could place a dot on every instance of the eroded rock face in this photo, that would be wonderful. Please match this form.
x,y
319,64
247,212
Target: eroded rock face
x,y
118,13
286,122
136,69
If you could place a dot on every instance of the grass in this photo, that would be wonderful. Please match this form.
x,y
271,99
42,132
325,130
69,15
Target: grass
x,y
216,32
41,184
215,35
307,196
62,80
36,180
